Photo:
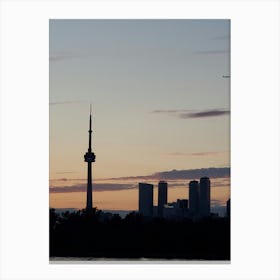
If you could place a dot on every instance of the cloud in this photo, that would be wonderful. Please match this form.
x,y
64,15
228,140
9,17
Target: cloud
x,y
194,114
62,179
174,174
64,102
58,56
204,114
68,189
194,154
194,173
175,178
171,111
95,187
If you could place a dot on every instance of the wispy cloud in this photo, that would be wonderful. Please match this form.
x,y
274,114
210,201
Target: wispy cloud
x,y
95,187
204,114
194,114
176,178
65,102
194,173
105,187
58,56
212,172
67,189
171,111
202,154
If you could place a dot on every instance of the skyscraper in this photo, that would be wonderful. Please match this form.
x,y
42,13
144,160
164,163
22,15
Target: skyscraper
x,y
194,197
204,197
146,198
162,196
228,208
89,158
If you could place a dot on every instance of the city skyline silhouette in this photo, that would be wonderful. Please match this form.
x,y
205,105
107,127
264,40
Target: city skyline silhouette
x,y
161,231
198,199
160,127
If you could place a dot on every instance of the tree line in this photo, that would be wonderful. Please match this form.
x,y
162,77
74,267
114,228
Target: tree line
x,y
97,235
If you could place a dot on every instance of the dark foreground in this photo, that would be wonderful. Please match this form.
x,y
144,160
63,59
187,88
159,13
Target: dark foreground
x,y
96,236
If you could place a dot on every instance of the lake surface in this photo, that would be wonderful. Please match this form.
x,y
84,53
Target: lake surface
x,y
75,260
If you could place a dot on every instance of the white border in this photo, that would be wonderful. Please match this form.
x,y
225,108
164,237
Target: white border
x,y
254,131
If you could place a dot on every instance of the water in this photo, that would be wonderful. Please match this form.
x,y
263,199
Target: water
x,y
89,260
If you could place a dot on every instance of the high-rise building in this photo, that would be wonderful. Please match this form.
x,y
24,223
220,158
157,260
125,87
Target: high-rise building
x,y
204,197
176,210
89,157
162,196
182,203
146,197
228,208
194,197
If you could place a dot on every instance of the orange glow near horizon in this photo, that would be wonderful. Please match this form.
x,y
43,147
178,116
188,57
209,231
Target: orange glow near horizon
x,y
127,199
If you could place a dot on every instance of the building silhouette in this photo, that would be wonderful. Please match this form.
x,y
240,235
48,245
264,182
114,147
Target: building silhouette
x,y
89,157
197,207
228,208
194,197
176,210
146,198
204,197
162,196
182,203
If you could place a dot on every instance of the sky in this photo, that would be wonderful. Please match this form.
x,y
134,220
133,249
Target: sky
x,y
160,103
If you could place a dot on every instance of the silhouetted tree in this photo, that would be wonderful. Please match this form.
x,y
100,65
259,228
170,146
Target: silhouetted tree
x,y
84,234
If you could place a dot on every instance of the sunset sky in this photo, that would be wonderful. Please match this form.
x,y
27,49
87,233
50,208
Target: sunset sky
x,y
160,103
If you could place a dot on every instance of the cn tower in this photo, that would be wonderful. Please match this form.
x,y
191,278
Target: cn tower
x,y
89,158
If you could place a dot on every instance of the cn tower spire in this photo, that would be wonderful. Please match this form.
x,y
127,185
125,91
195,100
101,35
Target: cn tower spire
x,y
90,131
89,158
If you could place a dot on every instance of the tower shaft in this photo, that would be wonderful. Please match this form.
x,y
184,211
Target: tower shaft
x,y
89,187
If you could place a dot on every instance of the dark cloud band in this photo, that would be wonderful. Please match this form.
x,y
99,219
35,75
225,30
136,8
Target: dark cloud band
x,y
173,176
204,114
194,114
